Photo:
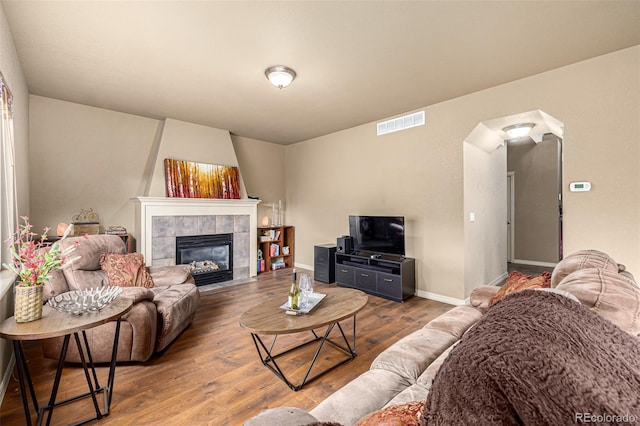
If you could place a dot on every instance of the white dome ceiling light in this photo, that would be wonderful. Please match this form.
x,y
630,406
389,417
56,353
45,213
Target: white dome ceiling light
x,y
280,76
518,130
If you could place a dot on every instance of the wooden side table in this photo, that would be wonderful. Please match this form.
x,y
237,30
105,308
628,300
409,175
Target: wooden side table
x,y
56,324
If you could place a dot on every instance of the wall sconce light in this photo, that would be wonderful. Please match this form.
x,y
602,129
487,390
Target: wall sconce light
x,y
280,76
519,130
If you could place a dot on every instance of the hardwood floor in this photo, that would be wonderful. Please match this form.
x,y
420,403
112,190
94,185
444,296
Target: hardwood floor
x,y
211,374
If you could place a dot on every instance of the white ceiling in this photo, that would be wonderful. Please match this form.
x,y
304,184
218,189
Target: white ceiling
x,y
357,61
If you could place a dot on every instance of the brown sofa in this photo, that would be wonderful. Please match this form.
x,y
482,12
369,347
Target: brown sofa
x,y
159,314
409,371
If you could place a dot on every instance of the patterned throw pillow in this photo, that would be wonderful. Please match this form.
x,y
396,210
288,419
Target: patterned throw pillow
x,y
126,270
409,414
518,281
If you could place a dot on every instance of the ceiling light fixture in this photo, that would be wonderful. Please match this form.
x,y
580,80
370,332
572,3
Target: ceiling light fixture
x,y
519,130
280,76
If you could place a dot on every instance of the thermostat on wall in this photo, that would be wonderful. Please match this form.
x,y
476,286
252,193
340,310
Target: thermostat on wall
x,y
580,186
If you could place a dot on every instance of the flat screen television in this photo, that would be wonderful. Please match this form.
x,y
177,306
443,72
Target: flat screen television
x,y
378,234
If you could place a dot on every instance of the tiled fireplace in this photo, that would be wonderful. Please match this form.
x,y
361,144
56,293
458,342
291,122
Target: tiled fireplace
x,y
160,221
210,257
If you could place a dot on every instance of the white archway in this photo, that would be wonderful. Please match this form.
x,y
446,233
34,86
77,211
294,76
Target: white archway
x,y
485,192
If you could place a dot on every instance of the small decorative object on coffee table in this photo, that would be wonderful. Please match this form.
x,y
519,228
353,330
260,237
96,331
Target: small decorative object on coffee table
x,y
306,289
312,300
294,293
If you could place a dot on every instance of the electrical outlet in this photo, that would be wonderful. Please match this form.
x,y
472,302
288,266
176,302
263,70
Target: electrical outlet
x,y
472,217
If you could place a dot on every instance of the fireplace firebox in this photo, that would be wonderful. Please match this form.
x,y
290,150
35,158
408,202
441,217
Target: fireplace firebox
x,y
210,257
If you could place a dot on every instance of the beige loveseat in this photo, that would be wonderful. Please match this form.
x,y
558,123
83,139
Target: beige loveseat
x,y
405,372
159,314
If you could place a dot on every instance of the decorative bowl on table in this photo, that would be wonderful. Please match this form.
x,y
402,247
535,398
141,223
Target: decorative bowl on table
x,y
79,302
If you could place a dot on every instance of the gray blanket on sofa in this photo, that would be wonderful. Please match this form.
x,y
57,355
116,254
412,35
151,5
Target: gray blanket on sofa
x,y
537,358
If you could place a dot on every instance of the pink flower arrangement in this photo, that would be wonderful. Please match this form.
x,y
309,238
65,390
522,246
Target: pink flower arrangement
x,y
31,260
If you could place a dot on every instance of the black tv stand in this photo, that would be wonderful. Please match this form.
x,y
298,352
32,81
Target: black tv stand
x,y
388,276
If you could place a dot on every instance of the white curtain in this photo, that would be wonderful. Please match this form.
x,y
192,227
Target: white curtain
x,y
9,204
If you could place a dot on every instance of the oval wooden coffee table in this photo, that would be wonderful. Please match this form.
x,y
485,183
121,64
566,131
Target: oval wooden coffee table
x,y
268,319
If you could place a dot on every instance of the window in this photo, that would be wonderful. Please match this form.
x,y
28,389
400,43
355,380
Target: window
x,y
8,204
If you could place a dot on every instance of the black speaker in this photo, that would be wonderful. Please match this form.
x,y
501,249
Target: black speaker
x,y
324,263
344,244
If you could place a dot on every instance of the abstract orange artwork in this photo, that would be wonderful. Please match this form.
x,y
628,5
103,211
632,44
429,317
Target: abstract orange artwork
x,y
186,179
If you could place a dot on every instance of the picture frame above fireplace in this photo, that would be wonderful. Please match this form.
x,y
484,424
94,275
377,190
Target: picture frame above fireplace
x,y
188,179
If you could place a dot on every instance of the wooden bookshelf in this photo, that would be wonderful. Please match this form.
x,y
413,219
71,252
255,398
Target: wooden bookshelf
x,y
274,241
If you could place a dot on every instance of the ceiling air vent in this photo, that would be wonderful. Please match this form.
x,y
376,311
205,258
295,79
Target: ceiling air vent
x,y
401,123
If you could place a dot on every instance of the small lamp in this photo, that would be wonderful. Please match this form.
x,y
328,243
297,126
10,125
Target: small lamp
x,y
519,130
280,76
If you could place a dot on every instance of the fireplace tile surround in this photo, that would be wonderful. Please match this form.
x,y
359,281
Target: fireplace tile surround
x,y
159,220
165,229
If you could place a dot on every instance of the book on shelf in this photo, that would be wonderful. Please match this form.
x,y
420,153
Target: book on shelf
x,y
274,250
278,265
115,230
270,235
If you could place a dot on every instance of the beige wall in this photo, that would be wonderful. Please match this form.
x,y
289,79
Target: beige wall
x,y
536,175
84,157
12,72
416,173
419,172
191,142
602,145
262,170
105,158
485,246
